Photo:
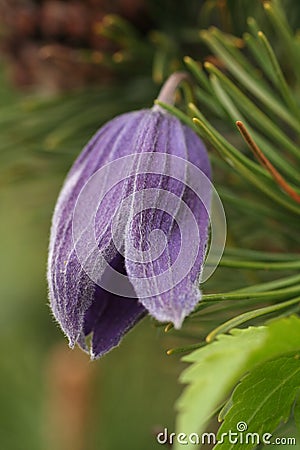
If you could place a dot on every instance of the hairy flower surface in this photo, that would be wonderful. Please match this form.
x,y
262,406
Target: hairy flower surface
x,y
142,242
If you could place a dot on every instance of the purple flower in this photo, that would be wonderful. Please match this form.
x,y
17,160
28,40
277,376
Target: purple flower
x,y
149,230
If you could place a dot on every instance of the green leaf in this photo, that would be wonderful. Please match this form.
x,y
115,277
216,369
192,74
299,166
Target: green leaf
x,y
250,315
259,53
257,87
297,413
277,16
261,401
283,265
253,113
250,170
234,115
282,85
275,284
217,367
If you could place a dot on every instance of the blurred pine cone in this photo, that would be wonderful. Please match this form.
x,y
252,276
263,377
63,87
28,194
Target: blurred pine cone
x,y
54,44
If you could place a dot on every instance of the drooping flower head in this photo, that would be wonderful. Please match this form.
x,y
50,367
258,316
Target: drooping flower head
x,y
130,228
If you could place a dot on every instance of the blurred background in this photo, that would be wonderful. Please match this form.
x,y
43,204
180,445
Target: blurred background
x,y
66,68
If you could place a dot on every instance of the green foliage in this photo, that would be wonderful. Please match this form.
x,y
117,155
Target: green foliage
x,y
248,82
297,414
272,388
216,368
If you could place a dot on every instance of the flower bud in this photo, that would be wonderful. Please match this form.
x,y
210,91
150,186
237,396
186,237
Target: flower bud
x,y
130,229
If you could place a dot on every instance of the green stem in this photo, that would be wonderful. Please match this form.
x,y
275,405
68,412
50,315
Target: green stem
x,y
239,320
260,255
287,265
275,284
279,294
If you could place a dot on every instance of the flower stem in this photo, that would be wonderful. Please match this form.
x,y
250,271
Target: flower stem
x,y
168,90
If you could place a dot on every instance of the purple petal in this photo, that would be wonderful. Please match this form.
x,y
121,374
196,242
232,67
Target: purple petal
x,y
110,316
71,290
176,303
80,306
114,319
